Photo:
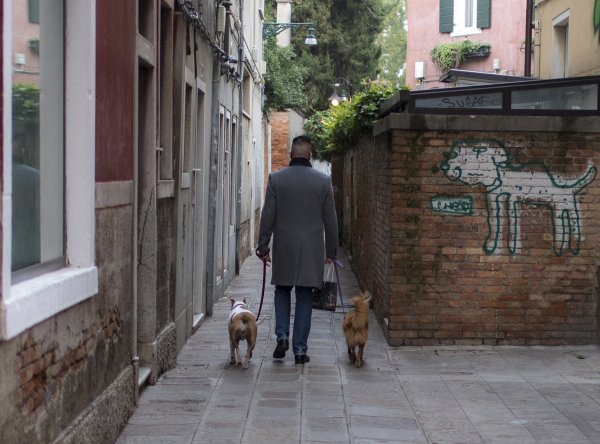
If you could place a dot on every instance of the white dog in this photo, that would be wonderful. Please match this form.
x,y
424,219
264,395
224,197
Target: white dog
x,y
242,326
487,163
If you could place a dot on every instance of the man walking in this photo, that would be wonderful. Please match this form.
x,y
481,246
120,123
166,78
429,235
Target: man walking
x,y
298,209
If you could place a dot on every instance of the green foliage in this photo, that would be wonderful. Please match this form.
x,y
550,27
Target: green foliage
x,y
346,32
26,103
597,15
336,129
284,79
449,55
392,40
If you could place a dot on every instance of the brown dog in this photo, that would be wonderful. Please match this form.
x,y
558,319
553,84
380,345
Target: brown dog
x,y
356,328
242,325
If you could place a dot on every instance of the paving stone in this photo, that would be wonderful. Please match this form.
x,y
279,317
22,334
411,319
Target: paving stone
x,y
390,434
385,422
319,412
146,439
271,435
325,435
325,423
161,429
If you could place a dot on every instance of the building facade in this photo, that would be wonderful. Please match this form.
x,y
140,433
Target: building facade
x,y
566,40
132,177
501,24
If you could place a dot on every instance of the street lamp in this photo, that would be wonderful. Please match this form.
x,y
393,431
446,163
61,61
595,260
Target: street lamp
x,y
345,92
272,29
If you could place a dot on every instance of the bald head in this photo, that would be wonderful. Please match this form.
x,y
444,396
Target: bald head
x,y
301,147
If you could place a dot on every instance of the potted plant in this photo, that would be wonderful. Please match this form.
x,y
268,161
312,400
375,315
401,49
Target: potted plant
x,y
450,55
34,45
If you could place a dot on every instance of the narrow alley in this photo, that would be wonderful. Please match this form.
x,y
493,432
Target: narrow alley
x,y
453,394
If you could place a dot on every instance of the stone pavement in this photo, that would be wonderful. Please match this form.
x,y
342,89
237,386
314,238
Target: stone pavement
x,y
445,394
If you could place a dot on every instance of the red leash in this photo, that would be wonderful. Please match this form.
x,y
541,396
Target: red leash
x,y
262,293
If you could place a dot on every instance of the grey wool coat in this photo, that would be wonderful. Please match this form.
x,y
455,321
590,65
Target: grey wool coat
x,y
298,211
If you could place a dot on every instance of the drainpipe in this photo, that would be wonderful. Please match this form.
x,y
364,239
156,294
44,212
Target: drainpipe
x,y
528,42
240,142
212,186
135,360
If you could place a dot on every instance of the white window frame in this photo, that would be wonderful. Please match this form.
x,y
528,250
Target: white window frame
x,y
27,303
459,28
560,45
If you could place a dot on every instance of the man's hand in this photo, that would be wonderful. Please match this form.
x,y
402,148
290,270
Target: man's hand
x,y
266,258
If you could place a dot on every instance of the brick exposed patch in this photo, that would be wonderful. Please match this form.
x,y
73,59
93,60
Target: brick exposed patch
x,y
41,363
280,136
433,275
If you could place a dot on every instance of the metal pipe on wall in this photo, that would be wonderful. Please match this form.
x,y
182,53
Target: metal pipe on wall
x,y
240,141
528,40
135,359
212,187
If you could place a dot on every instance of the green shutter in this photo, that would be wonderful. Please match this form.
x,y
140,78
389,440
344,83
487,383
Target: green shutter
x,y
446,15
484,13
34,11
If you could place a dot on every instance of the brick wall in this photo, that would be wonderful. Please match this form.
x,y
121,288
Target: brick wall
x,y
363,209
280,149
421,205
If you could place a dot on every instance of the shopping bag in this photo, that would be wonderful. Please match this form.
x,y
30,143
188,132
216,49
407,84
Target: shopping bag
x,y
326,297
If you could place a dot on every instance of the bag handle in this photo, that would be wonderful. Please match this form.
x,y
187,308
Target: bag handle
x,y
329,275
338,264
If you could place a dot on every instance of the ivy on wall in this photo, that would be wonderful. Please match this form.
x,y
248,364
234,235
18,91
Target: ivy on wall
x,y
597,17
450,55
26,103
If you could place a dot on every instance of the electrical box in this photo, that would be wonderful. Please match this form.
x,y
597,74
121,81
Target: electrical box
x,y
496,65
19,59
419,70
221,15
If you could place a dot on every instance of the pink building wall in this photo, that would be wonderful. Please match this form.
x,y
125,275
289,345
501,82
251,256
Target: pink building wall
x,y
22,32
505,35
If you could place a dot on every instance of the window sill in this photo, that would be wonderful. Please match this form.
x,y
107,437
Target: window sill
x,y
465,31
37,299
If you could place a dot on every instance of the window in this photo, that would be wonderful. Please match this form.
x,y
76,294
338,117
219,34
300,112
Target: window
x,y
34,11
464,17
560,46
49,165
573,96
37,148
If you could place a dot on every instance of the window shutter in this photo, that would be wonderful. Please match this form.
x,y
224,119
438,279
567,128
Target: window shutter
x,y
446,15
34,11
484,13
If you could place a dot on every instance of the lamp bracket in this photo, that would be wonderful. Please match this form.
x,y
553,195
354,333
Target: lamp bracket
x,y
272,29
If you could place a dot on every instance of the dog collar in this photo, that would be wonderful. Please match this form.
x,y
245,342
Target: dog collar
x,y
239,304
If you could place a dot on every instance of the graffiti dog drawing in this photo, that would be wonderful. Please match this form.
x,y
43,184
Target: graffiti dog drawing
x,y
487,163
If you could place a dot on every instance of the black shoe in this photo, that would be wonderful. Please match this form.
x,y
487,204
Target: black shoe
x,y
301,359
282,346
